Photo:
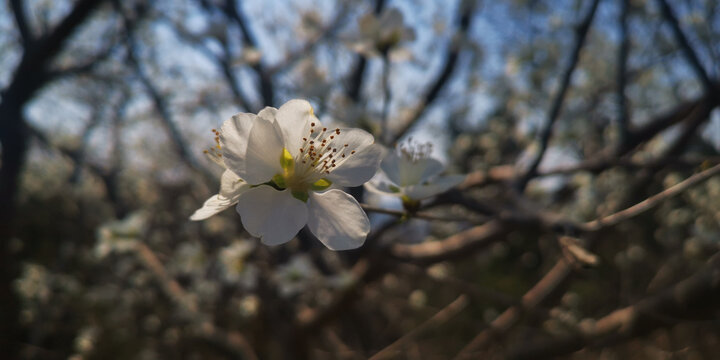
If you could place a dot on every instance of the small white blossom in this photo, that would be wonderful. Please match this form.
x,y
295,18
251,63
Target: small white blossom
x,y
411,174
380,36
290,161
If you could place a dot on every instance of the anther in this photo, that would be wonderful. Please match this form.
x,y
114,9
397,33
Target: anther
x,y
352,152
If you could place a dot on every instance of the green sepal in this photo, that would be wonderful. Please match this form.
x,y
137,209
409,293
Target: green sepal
x,y
394,188
279,180
410,205
300,195
320,185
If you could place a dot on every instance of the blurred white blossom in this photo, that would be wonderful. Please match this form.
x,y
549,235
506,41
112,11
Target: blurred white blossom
x,y
296,276
382,35
411,174
120,235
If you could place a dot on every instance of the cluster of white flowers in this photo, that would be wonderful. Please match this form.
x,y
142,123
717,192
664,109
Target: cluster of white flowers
x,y
283,169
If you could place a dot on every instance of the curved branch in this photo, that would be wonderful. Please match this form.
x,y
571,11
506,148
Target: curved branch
x,y
689,299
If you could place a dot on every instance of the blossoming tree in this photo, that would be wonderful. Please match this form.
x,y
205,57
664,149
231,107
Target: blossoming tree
x,y
387,179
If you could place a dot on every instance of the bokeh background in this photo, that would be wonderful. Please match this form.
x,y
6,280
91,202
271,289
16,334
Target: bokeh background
x,y
562,113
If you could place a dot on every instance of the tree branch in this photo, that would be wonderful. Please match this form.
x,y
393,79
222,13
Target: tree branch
x,y
465,14
580,35
442,316
623,117
18,10
266,87
689,299
166,116
689,52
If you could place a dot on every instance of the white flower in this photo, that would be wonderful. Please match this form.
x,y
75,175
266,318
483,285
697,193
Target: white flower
x,y
382,35
411,174
290,160
231,186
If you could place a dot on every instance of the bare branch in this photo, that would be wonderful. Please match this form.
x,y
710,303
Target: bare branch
x,y
537,294
166,116
445,314
465,14
687,49
652,201
266,87
355,81
623,116
18,10
689,299
580,35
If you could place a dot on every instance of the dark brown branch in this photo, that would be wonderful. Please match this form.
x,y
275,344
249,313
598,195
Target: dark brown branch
x,y
166,116
687,49
266,87
326,32
465,14
536,295
652,201
223,62
18,10
688,300
580,35
442,316
28,77
355,81
459,245
621,75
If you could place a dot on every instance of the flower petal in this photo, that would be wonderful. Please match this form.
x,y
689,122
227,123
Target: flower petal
x,y
406,172
382,187
356,139
272,215
293,119
231,185
212,206
234,135
437,186
264,149
359,167
268,113
337,220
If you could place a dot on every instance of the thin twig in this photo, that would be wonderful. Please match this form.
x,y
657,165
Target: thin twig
x,y
581,32
687,49
537,294
442,316
691,298
623,116
652,201
466,11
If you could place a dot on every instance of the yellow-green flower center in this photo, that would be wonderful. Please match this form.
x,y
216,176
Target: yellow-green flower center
x,y
298,180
